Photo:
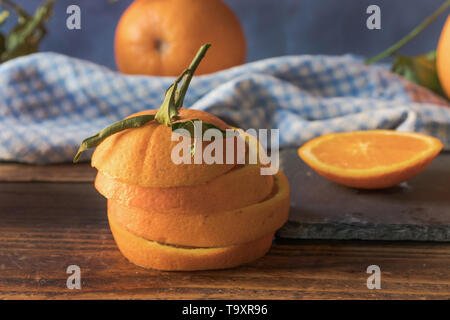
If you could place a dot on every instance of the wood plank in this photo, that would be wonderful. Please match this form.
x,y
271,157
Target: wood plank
x,y
49,226
15,172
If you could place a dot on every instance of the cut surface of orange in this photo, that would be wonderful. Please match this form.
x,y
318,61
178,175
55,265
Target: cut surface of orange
x,y
370,159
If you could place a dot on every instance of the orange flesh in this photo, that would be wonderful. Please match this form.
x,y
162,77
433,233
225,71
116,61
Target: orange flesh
x,y
368,151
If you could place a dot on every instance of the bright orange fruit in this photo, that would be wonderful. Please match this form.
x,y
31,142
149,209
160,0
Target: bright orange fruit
x,y
143,156
370,159
443,58
216,228
239,187
160,38
154,255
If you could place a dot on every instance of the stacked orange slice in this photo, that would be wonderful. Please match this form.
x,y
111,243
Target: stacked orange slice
x,y
171,216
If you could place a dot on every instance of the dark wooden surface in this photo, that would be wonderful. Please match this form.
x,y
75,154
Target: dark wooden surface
x,y
52,217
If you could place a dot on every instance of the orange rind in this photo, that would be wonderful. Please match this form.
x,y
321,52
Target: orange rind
x,y
239,187
154,255
214,229
370,159
143,156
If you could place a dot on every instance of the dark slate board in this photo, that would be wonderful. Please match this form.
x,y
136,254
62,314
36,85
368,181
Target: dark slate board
x,y
320,209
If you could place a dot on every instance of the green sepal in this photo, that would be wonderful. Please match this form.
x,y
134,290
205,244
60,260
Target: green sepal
x,y
96,139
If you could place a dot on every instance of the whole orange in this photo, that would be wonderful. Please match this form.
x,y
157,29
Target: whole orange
x,y
443,58
160,37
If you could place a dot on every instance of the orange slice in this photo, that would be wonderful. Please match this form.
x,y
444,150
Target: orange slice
x,y
143,156
154,255
370,159
217,228
237,188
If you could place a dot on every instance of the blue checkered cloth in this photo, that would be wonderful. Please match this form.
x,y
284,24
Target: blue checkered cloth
x,y
50,102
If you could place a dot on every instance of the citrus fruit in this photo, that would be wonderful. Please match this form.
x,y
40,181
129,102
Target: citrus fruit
x,y
168,214
239,187
143,156
160,38
370,159
443,58
154,255
216,228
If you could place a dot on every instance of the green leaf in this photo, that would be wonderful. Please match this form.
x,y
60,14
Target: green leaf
x,y
419,69
3,16
96,139
167,111
25,37
20,12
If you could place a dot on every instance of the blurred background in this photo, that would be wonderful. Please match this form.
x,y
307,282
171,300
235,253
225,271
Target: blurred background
x,y
272,28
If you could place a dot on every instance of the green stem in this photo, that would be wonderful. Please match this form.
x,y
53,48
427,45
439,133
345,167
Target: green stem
x,y
391,50
192,67
96,139
166,112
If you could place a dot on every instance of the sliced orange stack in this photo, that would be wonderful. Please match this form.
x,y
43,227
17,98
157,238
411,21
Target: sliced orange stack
x,y
187,216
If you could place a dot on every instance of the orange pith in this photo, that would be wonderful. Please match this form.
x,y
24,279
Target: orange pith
x,y
239,187
370,159
216,228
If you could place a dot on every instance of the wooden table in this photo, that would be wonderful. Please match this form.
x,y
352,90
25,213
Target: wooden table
x,y
52,217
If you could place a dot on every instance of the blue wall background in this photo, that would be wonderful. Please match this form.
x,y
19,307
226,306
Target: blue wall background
x,y
272,27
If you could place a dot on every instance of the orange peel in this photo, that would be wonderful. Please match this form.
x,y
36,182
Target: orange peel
x,y
154,255
239,187
216,229
142,156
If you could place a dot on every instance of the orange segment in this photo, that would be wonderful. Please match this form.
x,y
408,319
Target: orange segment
x,y
154,255
370,159
216,228
237,188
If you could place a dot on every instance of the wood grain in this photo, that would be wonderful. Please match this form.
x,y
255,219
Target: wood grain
x,y
82,172
45,227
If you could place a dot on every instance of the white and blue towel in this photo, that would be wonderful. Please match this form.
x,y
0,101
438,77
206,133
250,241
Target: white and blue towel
x,y
50,102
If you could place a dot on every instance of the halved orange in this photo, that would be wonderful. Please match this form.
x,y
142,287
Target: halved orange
x,y
370,159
